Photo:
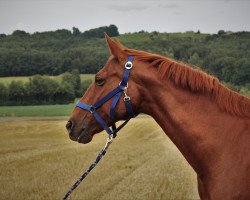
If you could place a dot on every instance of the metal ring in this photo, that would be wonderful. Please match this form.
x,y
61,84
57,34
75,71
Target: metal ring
x,y
128,65
124,86
92,109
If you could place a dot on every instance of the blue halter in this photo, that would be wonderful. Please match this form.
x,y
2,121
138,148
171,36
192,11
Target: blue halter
x,y
116,93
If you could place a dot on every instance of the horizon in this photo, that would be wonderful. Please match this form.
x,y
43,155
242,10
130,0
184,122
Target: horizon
x,y
187,31
132,16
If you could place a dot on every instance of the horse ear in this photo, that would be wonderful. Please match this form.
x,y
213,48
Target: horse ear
x,y
115,47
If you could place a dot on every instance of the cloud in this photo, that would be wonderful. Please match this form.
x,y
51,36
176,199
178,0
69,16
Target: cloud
x,y
173,8
128,7
170,6
177,13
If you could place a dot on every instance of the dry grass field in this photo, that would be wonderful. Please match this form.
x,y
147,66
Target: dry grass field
x,y
38,161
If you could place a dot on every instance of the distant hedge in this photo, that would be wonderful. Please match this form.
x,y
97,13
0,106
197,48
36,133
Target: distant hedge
x,y
43,90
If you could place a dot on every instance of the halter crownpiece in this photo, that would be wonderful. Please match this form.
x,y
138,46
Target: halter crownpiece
x,y
116,93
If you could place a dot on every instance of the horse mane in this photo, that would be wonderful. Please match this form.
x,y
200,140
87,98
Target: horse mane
x,y
196,80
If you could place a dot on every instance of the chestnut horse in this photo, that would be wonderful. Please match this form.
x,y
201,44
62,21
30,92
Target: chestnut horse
x,y
209,123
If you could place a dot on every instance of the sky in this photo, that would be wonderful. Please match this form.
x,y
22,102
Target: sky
x,y
208,16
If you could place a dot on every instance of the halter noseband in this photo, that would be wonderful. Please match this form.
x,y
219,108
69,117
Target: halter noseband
x,y
116,93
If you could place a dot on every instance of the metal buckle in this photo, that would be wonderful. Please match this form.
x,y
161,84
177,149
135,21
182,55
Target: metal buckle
x,y
92,109
126,98
110,138
124,87
128,65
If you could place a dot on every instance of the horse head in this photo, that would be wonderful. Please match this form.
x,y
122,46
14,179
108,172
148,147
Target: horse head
x,y
82,126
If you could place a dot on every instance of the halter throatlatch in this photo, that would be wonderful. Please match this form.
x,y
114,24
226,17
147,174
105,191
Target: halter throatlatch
x,y
116,93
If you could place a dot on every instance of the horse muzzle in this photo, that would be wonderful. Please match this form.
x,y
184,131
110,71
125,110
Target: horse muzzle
x,y
78,133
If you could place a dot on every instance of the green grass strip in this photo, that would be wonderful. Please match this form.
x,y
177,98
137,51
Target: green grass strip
x,y
36,110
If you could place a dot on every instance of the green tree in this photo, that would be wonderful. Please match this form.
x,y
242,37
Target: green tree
x,y
17,92
245,89
2,35
64,93
69,78
76,31
77,82
221,32
63,33
3,94
195,60
39,89
44,90
85,85
112,30
20,33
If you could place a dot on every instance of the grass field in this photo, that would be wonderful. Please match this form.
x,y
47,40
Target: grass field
x,y
35,111
7,80
39,162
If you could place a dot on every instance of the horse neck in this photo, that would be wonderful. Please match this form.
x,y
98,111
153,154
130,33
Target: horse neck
x,y
194,122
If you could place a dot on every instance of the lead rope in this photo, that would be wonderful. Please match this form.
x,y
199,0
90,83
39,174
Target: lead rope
x,y
83,176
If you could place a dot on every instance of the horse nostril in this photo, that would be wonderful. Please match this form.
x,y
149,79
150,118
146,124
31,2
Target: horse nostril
x,y
69,126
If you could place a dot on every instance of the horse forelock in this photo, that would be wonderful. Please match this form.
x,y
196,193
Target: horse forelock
x,y
196,80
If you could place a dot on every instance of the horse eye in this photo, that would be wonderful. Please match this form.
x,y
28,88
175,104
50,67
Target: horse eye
x,y
99,81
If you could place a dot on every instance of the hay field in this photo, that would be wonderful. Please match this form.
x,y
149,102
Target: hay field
x,y
38,161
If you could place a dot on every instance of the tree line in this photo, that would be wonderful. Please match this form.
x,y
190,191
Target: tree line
x,y
44,90
225,54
